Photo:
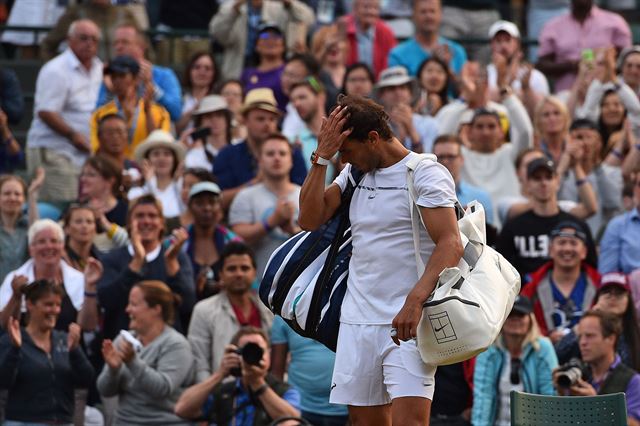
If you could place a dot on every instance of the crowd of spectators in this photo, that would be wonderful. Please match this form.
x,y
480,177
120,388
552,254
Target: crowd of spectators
x,y
139,214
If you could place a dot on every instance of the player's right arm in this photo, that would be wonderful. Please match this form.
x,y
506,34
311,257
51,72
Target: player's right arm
x,y
318,204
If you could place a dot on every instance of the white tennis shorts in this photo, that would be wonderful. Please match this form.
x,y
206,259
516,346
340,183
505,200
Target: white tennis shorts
x,y
372,370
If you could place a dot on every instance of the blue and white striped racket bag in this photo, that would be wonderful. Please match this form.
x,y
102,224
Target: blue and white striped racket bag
x,y
305,279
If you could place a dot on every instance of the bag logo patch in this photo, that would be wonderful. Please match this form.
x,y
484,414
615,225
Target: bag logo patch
x,y
442,327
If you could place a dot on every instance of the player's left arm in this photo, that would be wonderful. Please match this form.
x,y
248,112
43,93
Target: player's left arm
x,y
442,226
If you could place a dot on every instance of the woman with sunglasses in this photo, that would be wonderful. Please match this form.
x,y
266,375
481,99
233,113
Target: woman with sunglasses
x,y
40,366
269,59
520,359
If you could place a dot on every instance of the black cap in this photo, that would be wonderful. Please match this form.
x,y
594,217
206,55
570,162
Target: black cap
x,y
522,305
122,65
569,228
484,111
269,26
540,163
584,123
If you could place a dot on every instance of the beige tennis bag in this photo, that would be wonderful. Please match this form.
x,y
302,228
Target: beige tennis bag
x,y
466,311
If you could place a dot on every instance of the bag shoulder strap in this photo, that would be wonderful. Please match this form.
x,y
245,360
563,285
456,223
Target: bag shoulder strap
x,y
416,217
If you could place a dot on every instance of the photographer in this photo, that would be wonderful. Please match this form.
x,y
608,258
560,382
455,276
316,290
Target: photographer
x,y
253,398
598,334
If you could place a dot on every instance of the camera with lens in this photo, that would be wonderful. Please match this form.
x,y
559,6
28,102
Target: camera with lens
x,y
570,372
251,354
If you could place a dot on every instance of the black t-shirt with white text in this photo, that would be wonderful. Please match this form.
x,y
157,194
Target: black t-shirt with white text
x,y
524,240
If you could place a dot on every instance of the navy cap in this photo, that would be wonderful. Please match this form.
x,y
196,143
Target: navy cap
x,y
122,65
540,163
569,228
522,305
269,26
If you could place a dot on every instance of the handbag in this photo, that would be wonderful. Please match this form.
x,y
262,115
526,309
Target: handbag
x,y
305,279
465,312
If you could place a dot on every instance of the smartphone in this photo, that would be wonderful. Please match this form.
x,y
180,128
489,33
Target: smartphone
x,y
201,134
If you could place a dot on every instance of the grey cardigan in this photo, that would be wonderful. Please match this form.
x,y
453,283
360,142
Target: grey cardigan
x,y
150,385
212,326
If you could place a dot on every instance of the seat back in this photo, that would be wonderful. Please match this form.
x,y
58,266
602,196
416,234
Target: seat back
x,y
537,410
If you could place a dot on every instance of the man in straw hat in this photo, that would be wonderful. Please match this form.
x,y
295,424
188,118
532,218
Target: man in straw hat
x,y
236,166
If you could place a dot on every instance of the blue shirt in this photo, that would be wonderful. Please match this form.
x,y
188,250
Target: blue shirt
x,y
427,128
632,393
467,193
309,143
411,55
310,369
245,410
568,311
253,22
167,91
235,166
364,41
620,244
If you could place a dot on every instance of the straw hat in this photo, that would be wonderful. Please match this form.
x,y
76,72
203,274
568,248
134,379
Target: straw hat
x,y
262,98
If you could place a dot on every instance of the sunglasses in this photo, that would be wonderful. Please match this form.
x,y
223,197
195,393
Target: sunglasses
x,y
269,35
516,363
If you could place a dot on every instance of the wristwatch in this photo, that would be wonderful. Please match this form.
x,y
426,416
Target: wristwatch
x,y
316,159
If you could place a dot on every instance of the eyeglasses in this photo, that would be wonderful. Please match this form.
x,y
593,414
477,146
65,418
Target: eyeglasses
x,y
516,363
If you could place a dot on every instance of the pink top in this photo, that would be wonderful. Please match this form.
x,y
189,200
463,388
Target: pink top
x,y
567,38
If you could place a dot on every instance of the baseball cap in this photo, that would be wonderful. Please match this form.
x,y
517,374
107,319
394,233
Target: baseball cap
x,y
615,279
201,187
626,52
569,228
540,163
522,305
506,26
269,26
122,64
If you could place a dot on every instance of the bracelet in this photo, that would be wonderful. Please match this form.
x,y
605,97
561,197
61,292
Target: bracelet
x,y
90,294
262,389
265,225
580,182
617,153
